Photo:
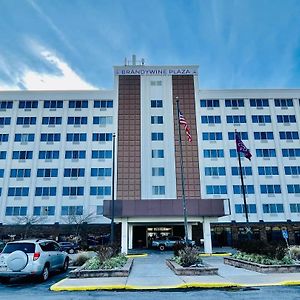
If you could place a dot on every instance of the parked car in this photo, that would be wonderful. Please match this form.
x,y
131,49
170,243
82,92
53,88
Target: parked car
x,y
169,242
2,244
69,247
32,258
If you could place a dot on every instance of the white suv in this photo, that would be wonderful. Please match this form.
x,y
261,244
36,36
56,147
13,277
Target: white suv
x,y
32,258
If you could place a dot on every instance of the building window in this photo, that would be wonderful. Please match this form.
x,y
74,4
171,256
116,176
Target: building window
x,y
269,171
72,210
236,119
213,153
291,152
99,210
214,171
100,172
103,103
216,189
210,103
259,103
53,104
44,210
20,173
5,121
293,188
45,191
3,138
100,191
156,103
26,120
77,120
73,191
157,119
6,105
270,189
22,155
272,208
211,119
283,102
49,155
156,83
295,207
158,190
234,103
158,153
51,120
50,137
2,154
47,173
107,120
292,170
158,171
157,136
16,211
266,153
18,191
74,172
24,137
237,189
75,154
28,104
212,136
235,171
78,104
243,135
289,135
1,173
76,137
264,135
261,119
287,119
102,137
101,154
240,208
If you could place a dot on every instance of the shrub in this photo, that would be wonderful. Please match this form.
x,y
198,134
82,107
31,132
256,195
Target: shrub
x,y
177,248
105,252
114,262
188,257
80,260
93,264
295,252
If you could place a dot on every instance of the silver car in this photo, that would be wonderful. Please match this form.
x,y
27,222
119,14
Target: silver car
x,y
32,258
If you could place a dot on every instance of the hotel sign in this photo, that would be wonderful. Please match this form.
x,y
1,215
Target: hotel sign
x,y
156,71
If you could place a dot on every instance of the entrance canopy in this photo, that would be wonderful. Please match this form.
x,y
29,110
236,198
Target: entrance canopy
x,y
165,207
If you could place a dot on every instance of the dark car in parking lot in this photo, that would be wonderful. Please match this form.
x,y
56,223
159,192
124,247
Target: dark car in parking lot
x,y
69,247
169,242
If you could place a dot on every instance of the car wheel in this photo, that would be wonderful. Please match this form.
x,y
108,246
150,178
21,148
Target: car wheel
x,y
71,251
45,274
65,266
161,247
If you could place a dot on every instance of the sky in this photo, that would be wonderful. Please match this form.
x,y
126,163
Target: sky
x,y
74,44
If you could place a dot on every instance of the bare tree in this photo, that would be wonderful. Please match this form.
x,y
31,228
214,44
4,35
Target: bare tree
x,y
29,221
78,221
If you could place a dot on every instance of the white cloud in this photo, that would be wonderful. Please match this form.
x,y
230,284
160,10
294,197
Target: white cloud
x,y
65,79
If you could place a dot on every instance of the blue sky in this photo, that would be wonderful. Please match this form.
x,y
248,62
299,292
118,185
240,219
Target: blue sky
x,y
73,44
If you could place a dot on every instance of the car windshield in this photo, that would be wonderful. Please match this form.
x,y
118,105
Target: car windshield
x,y
25,247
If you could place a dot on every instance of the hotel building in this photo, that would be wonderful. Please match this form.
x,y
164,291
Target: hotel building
x,y
56,158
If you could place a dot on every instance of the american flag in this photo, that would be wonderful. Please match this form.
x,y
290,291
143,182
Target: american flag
x,y
240,147
183,122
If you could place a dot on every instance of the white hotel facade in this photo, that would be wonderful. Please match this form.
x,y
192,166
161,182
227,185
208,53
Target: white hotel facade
x,y
56,157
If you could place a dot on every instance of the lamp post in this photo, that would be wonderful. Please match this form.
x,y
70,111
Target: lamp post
x,y
112,224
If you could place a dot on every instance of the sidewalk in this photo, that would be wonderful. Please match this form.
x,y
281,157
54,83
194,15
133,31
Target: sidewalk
x,y
152,273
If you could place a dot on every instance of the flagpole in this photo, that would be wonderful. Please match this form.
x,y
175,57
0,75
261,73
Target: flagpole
x,y
248,229
182,178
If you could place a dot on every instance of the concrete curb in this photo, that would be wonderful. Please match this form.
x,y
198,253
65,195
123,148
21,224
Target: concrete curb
x,y
136,255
